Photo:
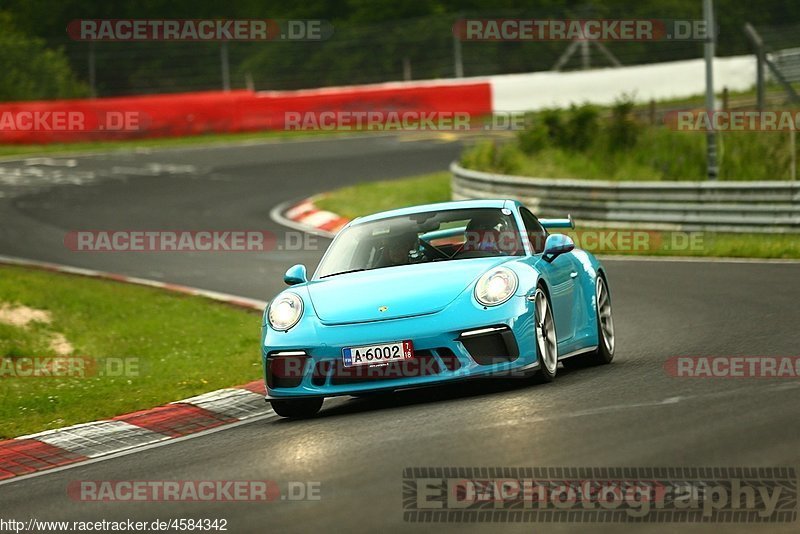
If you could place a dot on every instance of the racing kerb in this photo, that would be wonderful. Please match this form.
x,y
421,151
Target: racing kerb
x,y
763,206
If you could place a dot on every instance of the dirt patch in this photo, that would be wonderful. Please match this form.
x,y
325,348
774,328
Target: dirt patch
x,y
60,344
22,316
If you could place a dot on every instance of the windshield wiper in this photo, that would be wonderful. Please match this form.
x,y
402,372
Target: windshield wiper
x,y
343,272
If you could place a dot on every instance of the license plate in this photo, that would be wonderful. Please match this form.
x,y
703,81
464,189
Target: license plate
x,y
377,354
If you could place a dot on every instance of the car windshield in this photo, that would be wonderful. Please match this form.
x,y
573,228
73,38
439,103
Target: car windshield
x,y
421,238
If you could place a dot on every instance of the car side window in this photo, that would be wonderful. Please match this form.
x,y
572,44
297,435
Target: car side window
x,y
535,231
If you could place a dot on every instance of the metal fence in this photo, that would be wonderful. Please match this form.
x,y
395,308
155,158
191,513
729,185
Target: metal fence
x,y
691,206
788,62
777,50
419,48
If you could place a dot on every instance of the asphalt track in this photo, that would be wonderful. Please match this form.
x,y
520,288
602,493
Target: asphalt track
x,y
628,414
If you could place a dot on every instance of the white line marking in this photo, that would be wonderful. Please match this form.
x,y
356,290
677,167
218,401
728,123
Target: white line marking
x,y
52,162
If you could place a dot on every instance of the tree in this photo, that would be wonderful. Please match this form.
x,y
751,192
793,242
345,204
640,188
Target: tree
x,y
31,71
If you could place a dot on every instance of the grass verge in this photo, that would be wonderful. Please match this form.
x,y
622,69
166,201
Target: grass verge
x,y
145,346
371,197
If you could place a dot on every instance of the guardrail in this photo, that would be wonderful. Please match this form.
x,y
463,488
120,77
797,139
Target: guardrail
x,y
708,206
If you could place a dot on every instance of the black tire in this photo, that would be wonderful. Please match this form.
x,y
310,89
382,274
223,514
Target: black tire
x,y
605,349
543,375
297,408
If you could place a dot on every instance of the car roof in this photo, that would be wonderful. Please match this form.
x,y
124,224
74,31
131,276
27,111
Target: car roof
x,y
440,206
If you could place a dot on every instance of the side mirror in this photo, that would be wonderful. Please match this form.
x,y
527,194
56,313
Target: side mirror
x,y
556,245
295,275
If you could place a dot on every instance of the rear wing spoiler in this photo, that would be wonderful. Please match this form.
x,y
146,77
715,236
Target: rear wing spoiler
x,y
558,223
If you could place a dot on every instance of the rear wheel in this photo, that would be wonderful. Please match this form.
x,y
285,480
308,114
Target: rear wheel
x,y
297,408
605,324
546,344
605,331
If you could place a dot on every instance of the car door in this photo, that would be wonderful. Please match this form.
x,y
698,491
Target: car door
x,y
560,276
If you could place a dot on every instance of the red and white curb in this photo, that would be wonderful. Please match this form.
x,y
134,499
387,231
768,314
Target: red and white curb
x,y
313,219
60,447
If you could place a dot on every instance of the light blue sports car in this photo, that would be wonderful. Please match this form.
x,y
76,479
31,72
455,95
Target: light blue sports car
x,y
429,294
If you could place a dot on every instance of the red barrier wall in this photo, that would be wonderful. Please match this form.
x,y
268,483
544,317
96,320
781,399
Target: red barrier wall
x,y
183,114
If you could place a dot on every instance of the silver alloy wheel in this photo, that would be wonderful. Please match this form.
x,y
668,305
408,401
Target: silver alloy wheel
x,y
546,333
604,314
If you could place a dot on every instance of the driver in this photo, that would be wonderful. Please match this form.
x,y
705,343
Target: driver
x,y
483,233
401,249
492,233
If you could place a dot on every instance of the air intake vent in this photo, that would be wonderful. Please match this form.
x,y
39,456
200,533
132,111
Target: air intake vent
x,y
491,345
286,370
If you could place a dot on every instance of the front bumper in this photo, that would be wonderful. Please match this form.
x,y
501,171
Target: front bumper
x,y
307,360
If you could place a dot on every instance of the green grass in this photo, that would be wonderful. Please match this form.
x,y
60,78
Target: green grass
x,y
660,154
773,92
7,150
666,155
372,197
182,346
366,198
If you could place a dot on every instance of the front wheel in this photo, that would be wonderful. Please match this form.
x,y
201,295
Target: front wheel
x,y
546,344
297,408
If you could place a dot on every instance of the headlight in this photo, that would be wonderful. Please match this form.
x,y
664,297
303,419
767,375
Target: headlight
x,y
496,286
285,311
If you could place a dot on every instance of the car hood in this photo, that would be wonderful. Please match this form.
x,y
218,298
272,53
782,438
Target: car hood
x,y
403,291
